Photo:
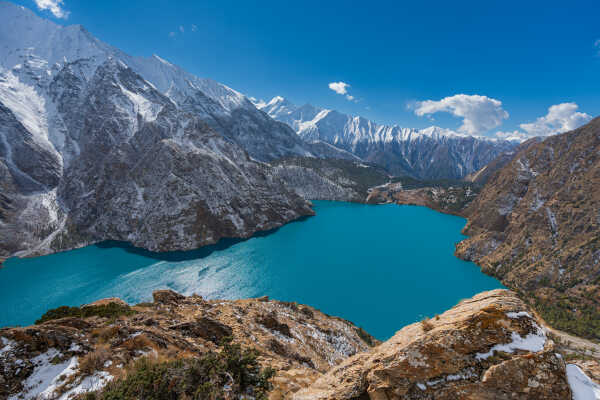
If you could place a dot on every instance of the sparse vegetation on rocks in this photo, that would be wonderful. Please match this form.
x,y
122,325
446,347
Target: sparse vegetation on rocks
x,y
231,372
110,310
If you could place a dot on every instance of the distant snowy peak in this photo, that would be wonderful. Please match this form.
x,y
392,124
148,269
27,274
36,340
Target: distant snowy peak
x,y
51,61
314,123
430,153
287,112
27,40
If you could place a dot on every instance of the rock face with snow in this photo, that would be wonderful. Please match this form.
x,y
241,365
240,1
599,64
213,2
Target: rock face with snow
x,y
96,144
432,153
487,347
536,226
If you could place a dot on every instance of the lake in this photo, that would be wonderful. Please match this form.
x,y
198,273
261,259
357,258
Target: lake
x,y
381,267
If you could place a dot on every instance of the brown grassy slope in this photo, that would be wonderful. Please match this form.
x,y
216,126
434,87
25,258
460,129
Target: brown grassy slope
x,y
536,226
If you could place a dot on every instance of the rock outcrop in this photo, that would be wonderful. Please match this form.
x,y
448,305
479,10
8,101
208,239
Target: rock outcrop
x,y
536,226
298,341
487,347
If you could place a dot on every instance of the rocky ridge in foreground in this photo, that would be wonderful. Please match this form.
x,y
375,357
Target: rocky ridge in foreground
x,y
487,347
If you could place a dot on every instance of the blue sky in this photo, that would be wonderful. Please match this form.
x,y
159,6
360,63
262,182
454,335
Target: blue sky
x,y
527,55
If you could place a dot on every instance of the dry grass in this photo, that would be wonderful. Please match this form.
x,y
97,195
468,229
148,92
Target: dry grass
x,y
94,361
104,335
140,342
426,325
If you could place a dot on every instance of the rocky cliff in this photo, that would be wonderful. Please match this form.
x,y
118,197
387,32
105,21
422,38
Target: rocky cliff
x,y
536,226
487,347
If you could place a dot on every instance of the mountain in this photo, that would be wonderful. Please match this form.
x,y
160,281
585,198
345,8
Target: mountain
x,y
488,347
484,174
96,144
431,153
536,226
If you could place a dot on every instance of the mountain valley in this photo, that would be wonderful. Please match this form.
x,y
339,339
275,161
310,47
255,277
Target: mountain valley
x,y
196,185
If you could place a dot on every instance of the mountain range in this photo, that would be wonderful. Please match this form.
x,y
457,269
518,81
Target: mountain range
x,y
96,144
430,153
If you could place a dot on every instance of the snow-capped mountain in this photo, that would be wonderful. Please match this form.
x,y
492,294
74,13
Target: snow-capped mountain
x,y
427,153
96,144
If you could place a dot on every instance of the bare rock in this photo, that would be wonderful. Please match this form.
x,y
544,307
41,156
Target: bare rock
x,y
107,301
167,297
270,322
205,328
487,347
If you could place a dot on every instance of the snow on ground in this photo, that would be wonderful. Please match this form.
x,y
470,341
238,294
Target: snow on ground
x,y
88,384
583,388
533,342
146,108
46,376
518,314
7,345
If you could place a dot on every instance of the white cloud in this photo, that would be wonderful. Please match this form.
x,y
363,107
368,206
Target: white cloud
x,y
172,34
339,87
479,113
560,118
181,29
342,88
194,28
54,6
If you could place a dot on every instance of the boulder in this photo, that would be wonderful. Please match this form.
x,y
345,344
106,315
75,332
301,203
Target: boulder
x,y
167,297
204,328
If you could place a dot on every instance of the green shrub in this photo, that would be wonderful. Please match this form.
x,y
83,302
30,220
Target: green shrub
x,y
368,339
560,314
204,378
111,310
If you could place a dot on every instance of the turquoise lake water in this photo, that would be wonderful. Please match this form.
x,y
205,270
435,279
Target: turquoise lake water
x,y
381,267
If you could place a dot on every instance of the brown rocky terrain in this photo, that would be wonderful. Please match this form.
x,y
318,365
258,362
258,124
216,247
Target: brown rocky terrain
x,y
536,226
481,176
71,355
488,347
447,199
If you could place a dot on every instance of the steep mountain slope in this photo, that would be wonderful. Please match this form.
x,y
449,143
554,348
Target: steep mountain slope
x,y
536,226
431,153
96,144
484,174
